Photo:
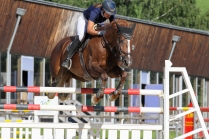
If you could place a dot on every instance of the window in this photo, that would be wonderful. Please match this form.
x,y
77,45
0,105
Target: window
x,y
200,91
47,73
153,77
185,96
160,77
3,75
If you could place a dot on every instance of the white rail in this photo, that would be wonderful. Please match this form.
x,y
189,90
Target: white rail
x,y
73,130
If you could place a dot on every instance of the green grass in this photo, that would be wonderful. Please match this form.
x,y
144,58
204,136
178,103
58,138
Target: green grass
x,y
203,5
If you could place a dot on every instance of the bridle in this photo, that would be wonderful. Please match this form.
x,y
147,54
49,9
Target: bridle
x,y
120,54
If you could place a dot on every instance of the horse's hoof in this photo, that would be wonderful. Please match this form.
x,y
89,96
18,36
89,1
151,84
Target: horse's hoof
x,y
95,100
50,95
63,96
113,97
115,92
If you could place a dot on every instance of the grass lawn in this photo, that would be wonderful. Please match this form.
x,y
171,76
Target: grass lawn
x,y
203,5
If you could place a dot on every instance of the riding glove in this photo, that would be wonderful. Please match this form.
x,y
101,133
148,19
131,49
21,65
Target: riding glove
x,y
101,33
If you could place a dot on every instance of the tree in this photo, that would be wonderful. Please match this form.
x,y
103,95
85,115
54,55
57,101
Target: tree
x,y
131,8
124,7
77,3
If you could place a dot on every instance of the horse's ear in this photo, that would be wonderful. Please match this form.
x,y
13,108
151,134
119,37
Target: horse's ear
x,y
118,26
114,25
133,27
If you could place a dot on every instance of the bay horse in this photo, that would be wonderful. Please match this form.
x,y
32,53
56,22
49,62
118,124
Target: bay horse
x,y
104,56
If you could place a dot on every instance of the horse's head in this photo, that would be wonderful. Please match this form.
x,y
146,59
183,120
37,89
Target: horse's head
x,y
120,40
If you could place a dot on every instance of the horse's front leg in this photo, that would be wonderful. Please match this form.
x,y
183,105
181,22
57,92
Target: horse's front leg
x,y
99,95
114,95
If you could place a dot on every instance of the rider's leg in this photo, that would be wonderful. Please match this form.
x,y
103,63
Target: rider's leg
x,y
75,45
81,27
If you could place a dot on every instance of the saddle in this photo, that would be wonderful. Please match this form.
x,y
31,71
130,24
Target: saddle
x,y
80,51
84,43
82,46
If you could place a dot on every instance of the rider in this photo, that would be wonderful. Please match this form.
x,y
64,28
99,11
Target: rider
x,y
85,24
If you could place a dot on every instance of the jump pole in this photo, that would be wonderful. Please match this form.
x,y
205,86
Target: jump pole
x,y
77,90
202,109
13,107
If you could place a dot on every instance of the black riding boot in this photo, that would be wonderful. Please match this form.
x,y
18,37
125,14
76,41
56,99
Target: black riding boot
x,y
72,48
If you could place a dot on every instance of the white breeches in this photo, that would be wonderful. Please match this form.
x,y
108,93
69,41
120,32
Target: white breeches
x,y
82,26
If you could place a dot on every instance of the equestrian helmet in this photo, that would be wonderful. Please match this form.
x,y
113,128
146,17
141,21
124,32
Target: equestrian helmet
x,y
109,7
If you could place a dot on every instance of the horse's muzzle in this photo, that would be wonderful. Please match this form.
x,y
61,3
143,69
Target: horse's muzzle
x,y
126,62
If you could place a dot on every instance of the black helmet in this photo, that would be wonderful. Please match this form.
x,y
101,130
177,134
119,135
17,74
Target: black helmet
x,y
109,7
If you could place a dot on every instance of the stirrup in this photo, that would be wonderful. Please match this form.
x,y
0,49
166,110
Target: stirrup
x,y
67,63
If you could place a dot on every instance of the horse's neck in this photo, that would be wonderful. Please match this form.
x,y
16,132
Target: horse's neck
x,y
111,40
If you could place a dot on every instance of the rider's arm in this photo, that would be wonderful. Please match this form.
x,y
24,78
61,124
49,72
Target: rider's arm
x,y
90,28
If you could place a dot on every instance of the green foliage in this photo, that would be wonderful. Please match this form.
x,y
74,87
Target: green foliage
x,y
124,7
78,3
129,8
176,12
183,13
203,5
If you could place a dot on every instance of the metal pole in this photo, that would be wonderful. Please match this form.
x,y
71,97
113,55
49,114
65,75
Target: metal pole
x,y
174,41
20,12
177,128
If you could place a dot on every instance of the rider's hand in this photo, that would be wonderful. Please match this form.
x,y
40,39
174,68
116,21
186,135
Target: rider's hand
x,y
101,33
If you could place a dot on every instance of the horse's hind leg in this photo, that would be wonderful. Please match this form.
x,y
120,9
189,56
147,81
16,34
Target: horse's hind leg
x,y
64,96
55,83
66,78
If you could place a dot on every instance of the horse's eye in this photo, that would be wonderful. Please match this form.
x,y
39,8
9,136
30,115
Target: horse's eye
x,y
121,41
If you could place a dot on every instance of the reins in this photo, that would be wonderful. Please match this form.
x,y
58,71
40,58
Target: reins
x,y
118,45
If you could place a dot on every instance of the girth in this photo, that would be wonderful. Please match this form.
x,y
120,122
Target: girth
x,y
80,51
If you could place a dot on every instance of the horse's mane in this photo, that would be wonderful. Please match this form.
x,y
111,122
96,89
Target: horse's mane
x,y
124,27
123,23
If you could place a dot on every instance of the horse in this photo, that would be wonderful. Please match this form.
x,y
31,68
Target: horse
x,y
103,56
